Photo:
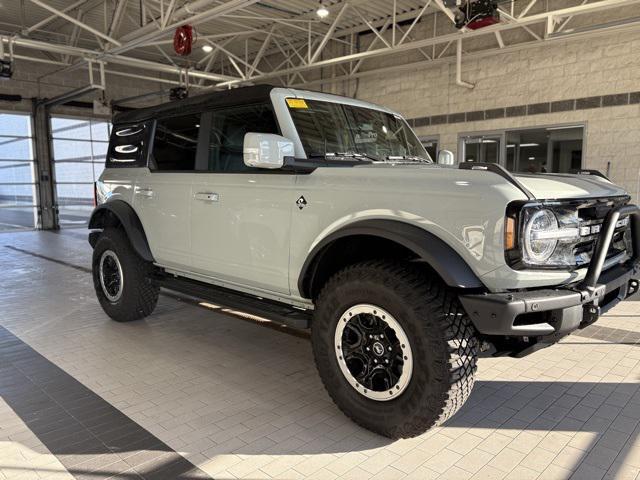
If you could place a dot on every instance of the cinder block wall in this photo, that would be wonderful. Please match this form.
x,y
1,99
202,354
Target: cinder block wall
x,y
558,71
39,80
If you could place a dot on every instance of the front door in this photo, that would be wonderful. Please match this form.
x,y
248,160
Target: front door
x,y
241,216
240,226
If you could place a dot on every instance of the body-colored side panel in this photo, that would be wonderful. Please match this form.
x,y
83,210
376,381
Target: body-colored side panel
x,y
241,235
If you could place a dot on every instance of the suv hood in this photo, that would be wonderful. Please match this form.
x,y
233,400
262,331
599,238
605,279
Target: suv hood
x,y
552,186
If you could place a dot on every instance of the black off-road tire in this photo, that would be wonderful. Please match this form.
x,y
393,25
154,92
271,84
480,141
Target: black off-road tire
x,y
441,335
139,295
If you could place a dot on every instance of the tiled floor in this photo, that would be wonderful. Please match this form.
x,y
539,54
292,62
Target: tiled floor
x,y
194,391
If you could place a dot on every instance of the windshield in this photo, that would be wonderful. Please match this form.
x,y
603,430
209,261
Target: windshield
x,y
335,128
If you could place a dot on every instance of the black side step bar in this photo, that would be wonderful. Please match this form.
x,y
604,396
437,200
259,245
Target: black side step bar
x,y
271,310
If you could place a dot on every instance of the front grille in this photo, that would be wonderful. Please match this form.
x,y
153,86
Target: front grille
x,y
591,215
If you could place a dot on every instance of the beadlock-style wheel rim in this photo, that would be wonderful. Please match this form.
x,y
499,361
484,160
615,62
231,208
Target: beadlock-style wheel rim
x,y
111,278
373,352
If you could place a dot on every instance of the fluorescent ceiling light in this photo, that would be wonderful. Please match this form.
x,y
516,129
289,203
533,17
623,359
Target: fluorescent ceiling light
x,y
529,144
565,127
207,48
532,158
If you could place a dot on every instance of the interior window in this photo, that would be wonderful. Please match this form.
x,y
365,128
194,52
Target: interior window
x,y
176,143
226,135
542,150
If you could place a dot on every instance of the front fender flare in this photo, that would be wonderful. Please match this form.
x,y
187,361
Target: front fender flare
x,y
429,248
127,217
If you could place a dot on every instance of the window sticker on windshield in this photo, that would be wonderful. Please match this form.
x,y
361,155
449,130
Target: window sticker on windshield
x,y
296,103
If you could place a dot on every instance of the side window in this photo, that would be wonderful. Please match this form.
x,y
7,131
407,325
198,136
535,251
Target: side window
x,y
175,143
128,146
226,135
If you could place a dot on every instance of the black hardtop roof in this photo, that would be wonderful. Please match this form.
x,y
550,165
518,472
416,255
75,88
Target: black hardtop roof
x,y
235,96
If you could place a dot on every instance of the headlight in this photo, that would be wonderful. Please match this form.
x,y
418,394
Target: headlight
x,y
546,237
539,241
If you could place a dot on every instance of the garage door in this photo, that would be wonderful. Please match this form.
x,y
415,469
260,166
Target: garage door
x,y
79,152
18,199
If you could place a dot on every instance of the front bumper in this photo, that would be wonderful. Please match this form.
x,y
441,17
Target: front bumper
x,y
553,312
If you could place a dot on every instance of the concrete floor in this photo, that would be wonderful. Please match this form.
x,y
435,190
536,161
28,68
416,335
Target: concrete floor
x,y
196,392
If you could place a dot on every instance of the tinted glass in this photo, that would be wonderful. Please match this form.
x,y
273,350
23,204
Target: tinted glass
x,y
545,150
127,147
176,143
431,146
226,135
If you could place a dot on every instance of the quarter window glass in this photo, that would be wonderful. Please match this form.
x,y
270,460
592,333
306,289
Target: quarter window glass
x,y
127,147
226,135
175,143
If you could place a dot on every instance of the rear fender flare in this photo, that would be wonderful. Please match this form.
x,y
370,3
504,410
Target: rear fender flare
x,y
104,215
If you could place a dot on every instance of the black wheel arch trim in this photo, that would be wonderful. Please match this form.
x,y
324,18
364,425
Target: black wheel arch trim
x,y
130,222
431,249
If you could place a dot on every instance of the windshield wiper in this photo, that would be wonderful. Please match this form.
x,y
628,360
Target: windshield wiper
x,y
350,155
409,158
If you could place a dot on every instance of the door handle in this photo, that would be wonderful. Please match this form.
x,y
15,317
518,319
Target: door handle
x,y
207,196
145,192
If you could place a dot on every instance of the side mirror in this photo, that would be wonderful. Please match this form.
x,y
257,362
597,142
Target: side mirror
x,y
266,150
446,157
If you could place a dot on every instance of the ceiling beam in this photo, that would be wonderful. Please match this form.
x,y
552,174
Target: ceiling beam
x,y
139,38
80,24
51,18
84,54
329,34
524,22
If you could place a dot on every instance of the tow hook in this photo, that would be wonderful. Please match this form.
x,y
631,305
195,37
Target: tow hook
x,y
590,315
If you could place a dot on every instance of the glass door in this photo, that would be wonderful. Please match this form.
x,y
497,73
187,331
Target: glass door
x,y
430,144
79,153
482,148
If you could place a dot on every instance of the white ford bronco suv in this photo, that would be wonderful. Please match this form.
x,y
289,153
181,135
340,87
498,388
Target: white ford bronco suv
x,y
323,212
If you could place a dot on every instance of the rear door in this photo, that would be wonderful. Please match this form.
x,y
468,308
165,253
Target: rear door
x,y
162,194
241,216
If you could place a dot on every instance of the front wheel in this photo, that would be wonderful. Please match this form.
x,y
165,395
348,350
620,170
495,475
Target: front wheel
x,y
121,278
394,348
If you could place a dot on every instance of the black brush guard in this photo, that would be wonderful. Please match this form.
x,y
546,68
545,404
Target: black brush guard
x,y
550,313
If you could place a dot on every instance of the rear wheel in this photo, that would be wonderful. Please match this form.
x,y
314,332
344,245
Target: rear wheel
x,y
122,279
394,348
